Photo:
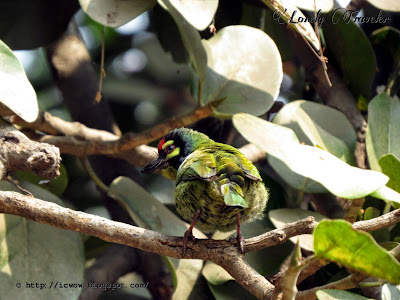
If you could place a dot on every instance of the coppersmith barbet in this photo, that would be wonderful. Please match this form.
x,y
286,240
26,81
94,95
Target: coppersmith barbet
x,y
217,188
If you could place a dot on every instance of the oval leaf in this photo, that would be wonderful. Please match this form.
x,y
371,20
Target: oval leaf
x,y
280,217
388,38
390,166
383,133
198,13
37,253
387,194
337,241
358,70
16,92
323,5
244,68
148,212
389,5
114,13
298,163
338,294
390,292
317,124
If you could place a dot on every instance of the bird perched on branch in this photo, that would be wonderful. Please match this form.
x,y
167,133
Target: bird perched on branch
x,y
217,188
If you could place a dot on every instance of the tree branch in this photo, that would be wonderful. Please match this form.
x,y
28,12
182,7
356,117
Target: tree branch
x,y
102,142
80,140
17,152
346,283
224,253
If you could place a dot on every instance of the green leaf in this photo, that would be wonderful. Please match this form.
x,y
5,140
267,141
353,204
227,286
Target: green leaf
x,y
215,274
387,194
346,40
16,92
383,133
150,213
317,124
304,167
45,20
337,241
114,13
389,39
286,11
390,166
323,5
168,34
389,5
230,290
280,217
255,17
338,294
31,252
390,292
244,68
191,40
56,186
197,13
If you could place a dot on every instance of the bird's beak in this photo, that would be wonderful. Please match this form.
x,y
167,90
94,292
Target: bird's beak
x,y
155,166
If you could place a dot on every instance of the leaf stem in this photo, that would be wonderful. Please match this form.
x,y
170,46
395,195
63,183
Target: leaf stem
x,y
92,174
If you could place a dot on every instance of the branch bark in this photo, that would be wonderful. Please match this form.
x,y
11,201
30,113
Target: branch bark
x,y
223,253
79,140
17,152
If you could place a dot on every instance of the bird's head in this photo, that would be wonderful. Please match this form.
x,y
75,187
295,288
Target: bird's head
x,y
173,150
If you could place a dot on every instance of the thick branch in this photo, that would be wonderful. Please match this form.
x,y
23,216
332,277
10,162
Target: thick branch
x,y
281,235
17,152
101,142
81,140
224,253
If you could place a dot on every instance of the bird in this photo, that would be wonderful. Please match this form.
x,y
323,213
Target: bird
x,y
217,187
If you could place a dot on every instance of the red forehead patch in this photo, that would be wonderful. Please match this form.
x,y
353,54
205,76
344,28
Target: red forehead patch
x,y
162,141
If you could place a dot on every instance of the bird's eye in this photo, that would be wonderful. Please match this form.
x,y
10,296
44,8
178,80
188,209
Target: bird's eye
x,y
169,149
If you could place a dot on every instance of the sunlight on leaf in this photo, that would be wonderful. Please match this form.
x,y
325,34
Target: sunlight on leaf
x,y
317,124
390,165
114,13
198,13
337,241
390,292
383,133
244,68
299,163
16,92
389,5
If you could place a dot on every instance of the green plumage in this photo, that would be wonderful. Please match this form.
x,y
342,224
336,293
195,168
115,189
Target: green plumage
x,y
213,177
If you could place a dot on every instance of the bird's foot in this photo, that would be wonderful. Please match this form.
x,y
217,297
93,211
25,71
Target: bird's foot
x,y
186,237
240,243
239,234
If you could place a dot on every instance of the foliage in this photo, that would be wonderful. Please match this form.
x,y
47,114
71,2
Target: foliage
x,y
312,150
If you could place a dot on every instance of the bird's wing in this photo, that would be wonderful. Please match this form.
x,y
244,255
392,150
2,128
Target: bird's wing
x,y
198,166
250,170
